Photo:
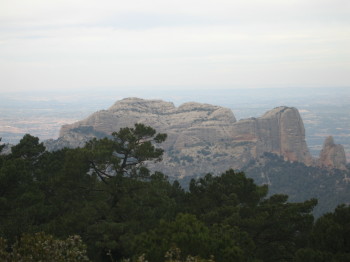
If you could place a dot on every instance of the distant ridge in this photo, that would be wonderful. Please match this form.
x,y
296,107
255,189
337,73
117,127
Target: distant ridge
x,y
202,138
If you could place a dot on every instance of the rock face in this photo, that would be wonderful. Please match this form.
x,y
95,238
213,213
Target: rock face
x,y
202,138
332,155
280,131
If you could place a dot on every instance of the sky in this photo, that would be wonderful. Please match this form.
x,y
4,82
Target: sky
x,y
165,44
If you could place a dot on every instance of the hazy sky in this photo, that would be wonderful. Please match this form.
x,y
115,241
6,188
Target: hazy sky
x,y
77,44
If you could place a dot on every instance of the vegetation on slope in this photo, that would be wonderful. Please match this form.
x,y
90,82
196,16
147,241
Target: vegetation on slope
x,y
105,194
301,182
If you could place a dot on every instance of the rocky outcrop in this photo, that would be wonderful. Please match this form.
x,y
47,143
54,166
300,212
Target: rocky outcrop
x,y
163,116
332,155
280,131
202,138
193,130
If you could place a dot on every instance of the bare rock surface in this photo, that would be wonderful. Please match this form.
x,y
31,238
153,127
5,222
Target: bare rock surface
x,y
332,155
202,138
280,131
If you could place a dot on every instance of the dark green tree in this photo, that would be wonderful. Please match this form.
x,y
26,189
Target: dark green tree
x,y
105,193
73,198
215,198
186,232
126,152
277,227
330,238
20,197
28,148
269,229
1,145
131,192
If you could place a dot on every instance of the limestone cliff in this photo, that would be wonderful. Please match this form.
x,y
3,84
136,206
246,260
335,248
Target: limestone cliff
x,y
202,138
280,131
332,155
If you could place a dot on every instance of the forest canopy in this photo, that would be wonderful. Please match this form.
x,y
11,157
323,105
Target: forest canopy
x,y
102,203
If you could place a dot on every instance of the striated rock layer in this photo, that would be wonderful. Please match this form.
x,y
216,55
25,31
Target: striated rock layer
x,y
202,138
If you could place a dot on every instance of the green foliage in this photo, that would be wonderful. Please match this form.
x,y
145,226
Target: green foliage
x,y
42,247
104,193
28,148
20,198
128,149
278,228
301,182
311,255
210,194
174,255
331,234
230,243
185,232
2,146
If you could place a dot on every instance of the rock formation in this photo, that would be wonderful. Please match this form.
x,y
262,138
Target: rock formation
x,y
332,155
280,131
202,138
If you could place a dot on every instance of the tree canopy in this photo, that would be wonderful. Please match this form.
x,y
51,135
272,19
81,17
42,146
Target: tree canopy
x,y
117,209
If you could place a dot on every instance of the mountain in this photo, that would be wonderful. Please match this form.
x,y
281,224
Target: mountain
x,y
203,138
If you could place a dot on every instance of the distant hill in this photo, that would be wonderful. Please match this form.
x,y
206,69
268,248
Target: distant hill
x,y
325,111
204,138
